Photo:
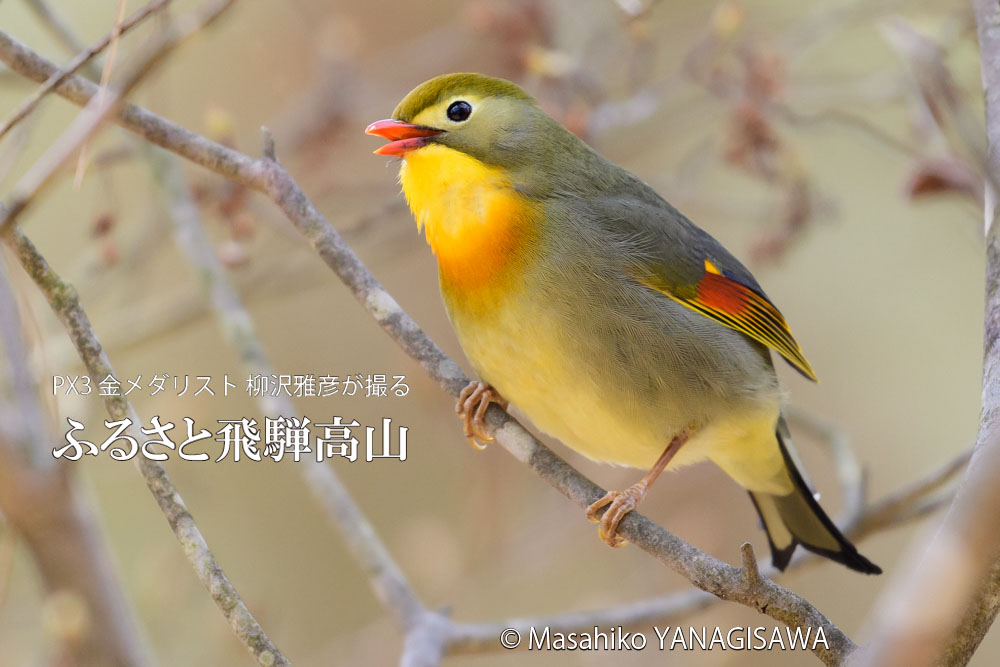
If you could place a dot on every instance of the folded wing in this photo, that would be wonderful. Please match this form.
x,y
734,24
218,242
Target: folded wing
x,y
739,307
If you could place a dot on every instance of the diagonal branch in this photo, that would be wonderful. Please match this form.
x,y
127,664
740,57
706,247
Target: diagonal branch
x,y
116,33
85,56
267,176
99,107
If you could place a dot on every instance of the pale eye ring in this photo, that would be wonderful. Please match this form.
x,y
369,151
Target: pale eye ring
x,y
459,111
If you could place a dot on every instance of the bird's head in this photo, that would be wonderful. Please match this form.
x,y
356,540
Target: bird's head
x,y
490,119
501,127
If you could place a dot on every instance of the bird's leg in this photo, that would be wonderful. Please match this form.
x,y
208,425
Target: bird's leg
x,y
623,502
471,407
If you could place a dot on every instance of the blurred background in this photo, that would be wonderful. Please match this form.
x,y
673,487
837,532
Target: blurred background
x,y
812,139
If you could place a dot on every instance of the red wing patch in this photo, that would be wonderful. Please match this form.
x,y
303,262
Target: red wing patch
x,y
739,307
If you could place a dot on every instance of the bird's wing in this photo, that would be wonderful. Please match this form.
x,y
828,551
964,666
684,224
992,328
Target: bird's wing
x,y
681,261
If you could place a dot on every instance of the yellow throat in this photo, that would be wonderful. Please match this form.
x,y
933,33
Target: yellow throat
x,y
473,219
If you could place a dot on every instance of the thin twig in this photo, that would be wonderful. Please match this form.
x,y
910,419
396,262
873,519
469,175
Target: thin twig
x,y
752,578
913,500
100,107
109,64
846,119
82,58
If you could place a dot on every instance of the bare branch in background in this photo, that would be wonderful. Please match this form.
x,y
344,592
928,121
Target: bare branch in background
x,y
914,501
85,56
938,609
100,107
41,501
116,33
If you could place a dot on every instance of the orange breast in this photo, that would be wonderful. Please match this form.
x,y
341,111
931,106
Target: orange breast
x,y
477,225
480,251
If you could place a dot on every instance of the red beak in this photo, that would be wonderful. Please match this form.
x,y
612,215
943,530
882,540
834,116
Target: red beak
x,y
404,137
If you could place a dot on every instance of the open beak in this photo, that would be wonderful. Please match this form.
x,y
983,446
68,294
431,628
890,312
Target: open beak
x,y
403,137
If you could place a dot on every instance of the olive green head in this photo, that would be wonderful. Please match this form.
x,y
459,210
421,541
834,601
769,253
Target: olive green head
x,y
491,119
439,93
499,124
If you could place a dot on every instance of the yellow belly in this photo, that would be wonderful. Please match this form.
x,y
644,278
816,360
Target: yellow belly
x,y
522,352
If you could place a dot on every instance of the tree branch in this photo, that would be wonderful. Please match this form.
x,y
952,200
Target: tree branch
x,y
99,107
913,501
940,606
82,58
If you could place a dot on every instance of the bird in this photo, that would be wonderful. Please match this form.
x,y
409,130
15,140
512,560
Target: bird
x,y
585,299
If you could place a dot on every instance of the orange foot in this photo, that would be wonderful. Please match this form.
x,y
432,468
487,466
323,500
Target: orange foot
x,y
471,407
621,503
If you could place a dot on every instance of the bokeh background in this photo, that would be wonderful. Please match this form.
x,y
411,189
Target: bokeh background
x,y
796,133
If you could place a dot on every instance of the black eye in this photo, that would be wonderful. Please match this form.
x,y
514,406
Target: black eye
x,y
459,111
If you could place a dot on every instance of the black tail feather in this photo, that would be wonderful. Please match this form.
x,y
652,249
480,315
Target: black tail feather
x,y
797,518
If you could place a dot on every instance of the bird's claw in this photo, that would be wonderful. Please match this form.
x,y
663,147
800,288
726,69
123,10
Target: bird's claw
x,y
471,406
619,503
